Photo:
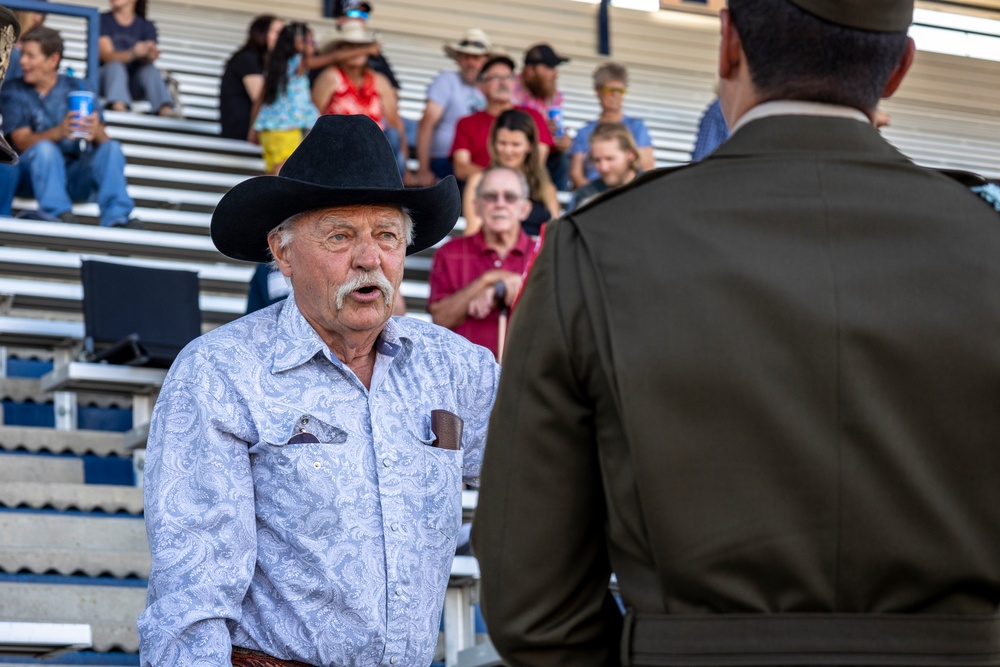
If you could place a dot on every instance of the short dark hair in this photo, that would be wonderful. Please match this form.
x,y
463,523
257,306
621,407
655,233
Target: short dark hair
x,y
48,40
795,55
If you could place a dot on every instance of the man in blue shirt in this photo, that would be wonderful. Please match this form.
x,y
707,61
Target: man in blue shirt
x,y
302,489
63,158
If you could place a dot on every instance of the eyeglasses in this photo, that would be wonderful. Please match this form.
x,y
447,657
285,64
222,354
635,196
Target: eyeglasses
x,y
509,197
497,77
608,90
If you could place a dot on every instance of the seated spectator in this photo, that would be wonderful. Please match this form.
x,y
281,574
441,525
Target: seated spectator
x,y
610,84
616,158
712,131
243,77
351,87
537,89
470,151
285,111
514,144
64,158
128,49
28,22
450,96
466,270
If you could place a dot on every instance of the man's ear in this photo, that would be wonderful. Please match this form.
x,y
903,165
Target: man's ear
x,y
730,46
902,67
280,254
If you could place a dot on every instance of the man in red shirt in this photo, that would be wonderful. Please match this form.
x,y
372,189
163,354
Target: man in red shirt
x,y
469,152
467,269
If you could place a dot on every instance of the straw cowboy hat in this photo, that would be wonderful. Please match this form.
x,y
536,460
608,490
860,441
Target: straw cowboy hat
x,y
475,43
343,161
353,32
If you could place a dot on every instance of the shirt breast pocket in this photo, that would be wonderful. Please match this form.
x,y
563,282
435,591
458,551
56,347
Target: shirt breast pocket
x,y
443,490
296,478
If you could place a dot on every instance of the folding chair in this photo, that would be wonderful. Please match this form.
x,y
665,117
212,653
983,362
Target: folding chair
x,y
138,316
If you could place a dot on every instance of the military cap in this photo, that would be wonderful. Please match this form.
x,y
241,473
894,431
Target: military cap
x,y
10,30
874,15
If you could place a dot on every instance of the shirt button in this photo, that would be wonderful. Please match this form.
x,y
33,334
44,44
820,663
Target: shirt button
x,y
317,465
393,660
385,462
497,264
394,526
399,591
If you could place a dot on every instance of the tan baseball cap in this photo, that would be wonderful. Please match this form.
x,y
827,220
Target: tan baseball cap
x,y
874,15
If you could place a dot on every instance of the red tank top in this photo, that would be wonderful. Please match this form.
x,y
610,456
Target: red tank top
x,y
350,100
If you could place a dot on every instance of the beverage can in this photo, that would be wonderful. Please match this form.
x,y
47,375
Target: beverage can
x,y
556,116
82,102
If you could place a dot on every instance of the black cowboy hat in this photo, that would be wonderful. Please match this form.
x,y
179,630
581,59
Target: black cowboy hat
x,y
343,161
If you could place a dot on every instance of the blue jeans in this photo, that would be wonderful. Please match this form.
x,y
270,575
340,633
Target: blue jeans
x,y
45,174
123,83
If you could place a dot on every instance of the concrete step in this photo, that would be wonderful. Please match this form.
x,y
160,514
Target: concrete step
x,y
110,498
45,542
29,469
39,439
110,610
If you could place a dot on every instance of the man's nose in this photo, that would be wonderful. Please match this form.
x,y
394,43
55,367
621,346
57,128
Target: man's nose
x,y
366,254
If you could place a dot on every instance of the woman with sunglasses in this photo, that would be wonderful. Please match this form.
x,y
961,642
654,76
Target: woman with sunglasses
x,y
610,85
514,144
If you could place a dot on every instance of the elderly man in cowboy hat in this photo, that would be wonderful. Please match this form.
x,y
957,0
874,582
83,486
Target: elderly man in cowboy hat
x,y
450,96
768,385
305,463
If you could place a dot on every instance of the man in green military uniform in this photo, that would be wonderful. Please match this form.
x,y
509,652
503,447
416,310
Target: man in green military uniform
x,y
763,390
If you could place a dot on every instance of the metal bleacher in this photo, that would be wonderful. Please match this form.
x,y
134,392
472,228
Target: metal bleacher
x,y
72,546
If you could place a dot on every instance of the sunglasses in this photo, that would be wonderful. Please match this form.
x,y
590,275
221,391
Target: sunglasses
x,y
497,77
509,197
608,90
357,14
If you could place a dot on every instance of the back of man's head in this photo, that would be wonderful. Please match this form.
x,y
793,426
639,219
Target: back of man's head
x,y
48,40
795,55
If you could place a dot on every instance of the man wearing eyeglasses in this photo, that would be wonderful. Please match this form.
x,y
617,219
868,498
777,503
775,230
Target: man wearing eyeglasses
x,y
610,85
469,152
466,270
450,96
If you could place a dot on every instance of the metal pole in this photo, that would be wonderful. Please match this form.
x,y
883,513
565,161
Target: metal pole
x,y
604,29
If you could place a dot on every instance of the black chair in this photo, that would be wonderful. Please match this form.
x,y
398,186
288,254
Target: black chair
x,y
138,316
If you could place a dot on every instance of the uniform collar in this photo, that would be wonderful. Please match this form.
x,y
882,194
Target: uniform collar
x,y
799,108
296,342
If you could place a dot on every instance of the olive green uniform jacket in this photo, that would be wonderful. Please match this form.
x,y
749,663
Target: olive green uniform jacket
x,y
766,382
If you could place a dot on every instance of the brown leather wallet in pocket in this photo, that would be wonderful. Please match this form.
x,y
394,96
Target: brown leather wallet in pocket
x,y
447,429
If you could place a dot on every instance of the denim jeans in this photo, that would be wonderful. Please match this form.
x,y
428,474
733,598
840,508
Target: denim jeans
x,y
123,83
45,174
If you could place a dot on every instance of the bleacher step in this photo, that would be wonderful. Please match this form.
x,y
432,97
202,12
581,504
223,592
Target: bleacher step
x,y
28,469
80,442
48,494
111,610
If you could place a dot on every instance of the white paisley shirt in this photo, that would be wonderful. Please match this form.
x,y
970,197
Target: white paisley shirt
x,y
333,549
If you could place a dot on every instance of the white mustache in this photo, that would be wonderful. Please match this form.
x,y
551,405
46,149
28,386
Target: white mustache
x,y
365,279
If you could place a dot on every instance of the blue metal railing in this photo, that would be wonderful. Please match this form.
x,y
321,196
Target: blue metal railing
x,y
92,17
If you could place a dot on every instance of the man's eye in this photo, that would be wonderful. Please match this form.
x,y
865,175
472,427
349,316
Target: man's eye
x,y
338,237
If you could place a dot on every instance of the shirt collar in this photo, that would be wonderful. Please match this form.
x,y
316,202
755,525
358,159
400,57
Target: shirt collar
x,y
522,245
296,342
799,108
